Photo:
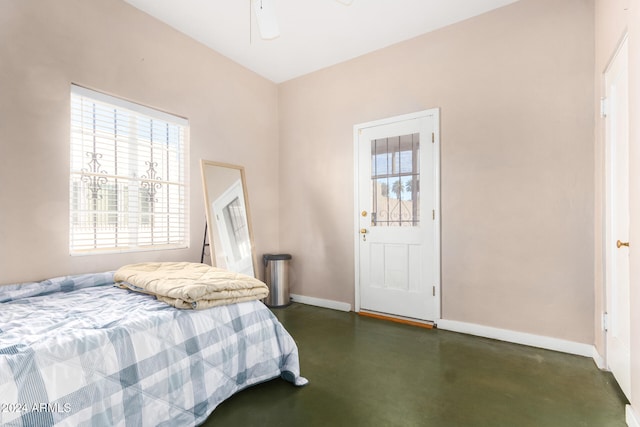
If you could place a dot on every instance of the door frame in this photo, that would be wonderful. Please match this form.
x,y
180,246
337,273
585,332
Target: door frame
x,y
357,129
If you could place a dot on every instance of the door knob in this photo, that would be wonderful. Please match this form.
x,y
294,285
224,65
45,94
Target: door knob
x,y
363,231
620,244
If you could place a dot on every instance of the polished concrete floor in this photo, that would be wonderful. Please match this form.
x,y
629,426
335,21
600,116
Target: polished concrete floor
x,y
369,372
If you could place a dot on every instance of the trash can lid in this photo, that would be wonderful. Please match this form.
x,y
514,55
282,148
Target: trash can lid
x,y
276,257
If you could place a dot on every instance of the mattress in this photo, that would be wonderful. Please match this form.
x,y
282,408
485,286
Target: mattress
x,y
77,351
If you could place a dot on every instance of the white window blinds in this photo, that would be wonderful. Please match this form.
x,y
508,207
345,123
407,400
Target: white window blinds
x,y
128,187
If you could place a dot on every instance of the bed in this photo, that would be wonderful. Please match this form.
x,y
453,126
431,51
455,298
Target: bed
x,y
79,351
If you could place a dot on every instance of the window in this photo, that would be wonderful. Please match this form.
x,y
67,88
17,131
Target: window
x,y
395,177
128,187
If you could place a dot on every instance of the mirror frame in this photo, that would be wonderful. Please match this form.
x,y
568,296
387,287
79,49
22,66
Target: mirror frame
x,y
211,224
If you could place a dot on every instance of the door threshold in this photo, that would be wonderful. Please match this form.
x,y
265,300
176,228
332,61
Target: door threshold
x,y
398,319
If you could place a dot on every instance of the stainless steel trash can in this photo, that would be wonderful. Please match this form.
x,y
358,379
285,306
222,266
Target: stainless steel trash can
x,y
276,276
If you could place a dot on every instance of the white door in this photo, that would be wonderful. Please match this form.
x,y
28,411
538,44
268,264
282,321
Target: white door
x,y
617,222
397,204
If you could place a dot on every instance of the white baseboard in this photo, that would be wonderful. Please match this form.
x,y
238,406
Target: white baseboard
x,y
320,302
532,340
598,359
632,417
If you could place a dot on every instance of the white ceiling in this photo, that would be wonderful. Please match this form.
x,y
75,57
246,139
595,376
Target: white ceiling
x,y
314,34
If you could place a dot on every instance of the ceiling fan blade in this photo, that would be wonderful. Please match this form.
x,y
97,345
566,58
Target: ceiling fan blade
x,y
266,17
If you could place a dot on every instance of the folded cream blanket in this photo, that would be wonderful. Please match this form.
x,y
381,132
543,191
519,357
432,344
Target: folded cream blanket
x,y
190,285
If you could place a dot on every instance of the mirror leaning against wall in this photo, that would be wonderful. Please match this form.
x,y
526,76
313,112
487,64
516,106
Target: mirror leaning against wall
x,y
228,221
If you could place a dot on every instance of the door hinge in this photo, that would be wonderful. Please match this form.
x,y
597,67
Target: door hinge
x,y
605,321
434,214
604,107
433,137
434,291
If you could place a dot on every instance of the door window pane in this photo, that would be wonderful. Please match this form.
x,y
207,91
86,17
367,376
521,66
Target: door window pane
x,y
395,178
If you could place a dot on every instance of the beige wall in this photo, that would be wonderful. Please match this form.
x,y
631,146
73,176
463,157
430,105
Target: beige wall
x,y
613,19
112,47
515,89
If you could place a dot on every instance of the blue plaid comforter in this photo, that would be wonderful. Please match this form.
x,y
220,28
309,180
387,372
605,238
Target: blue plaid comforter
x,y
77,351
